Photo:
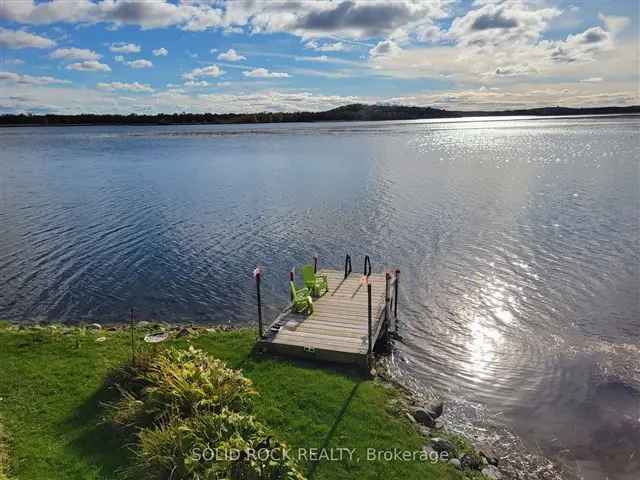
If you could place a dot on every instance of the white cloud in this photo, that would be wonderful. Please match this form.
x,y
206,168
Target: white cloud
x,y
327,47
16,39
141,63
320,18
264,73
503,42
119,58
14,61
524,95
386,47
30,80
510,22
66,100
319,58
196,83
89,66
592,80
129,87
581,47
70,54
160,52
210,71
614,23
122,47
231,56
201,17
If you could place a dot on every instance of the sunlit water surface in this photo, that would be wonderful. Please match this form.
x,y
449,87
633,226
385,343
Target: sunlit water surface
x,y
518,242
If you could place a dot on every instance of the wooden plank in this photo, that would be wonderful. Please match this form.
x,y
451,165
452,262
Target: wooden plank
x,y
311,343
348,328
320,332
327,339
338,328
338,320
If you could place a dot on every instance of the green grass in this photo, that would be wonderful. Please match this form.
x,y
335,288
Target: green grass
x,y
4,453
52,390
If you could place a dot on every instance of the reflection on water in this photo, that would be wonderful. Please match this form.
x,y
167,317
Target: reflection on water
x,y
518,242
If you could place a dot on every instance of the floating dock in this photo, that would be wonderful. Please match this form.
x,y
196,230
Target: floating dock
x,y
346,322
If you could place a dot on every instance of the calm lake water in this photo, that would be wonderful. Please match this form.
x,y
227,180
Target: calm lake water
x,y
518,241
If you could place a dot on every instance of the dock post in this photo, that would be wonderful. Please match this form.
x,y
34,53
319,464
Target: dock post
x,y
369,316
315,264
395,301
133,344
256,274
387,299
387,304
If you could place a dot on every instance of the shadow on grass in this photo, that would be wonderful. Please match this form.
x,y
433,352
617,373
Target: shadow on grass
x,y
349,371
98,443
332,431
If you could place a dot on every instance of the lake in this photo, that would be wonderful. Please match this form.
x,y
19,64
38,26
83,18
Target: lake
x,y
518,241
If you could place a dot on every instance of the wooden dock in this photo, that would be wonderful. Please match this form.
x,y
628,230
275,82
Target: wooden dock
x,y
339,329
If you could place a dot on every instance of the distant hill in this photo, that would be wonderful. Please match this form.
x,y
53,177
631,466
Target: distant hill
x,y
347,113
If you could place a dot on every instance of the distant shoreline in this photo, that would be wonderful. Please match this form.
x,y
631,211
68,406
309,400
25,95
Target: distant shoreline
x,y
347,113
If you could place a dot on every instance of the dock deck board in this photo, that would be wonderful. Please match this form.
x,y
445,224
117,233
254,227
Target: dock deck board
x,y
337,330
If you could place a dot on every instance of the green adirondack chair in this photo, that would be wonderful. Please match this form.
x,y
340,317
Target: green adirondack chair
x,y
316,282
300,299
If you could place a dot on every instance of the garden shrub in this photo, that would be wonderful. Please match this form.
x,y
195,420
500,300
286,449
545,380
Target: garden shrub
x,y
226,445
180,383
184,407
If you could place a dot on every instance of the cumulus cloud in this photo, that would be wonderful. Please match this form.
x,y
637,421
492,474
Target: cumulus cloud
x,y
514,70
264,73
122,47
503,42
149,14
231,56
70,54
30,80
355,19
89,66
327,47
119,58
346,18
128,87
510,22
141,63
386,47
210,71
16,39
160,52
582,46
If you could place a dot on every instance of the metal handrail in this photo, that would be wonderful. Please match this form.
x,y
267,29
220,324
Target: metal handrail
x,y
347,263
367,261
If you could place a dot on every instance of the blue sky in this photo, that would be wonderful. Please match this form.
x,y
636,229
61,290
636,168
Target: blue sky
x,y
122,56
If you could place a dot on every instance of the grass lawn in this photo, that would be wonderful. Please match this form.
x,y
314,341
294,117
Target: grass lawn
x,y
52,386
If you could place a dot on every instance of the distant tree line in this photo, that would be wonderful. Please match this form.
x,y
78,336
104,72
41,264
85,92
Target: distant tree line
x,y
353,112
